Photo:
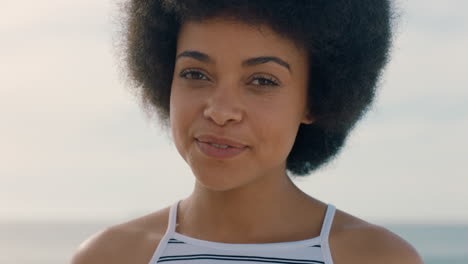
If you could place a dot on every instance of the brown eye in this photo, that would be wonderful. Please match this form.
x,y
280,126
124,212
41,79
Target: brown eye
x,y
193,74
265,81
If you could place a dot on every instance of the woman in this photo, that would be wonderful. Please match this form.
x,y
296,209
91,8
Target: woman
x,y
252,90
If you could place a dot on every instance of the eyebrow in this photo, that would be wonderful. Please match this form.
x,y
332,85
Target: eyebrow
x,y
249,62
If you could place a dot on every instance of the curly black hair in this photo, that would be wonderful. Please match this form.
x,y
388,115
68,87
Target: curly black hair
x,y
347,42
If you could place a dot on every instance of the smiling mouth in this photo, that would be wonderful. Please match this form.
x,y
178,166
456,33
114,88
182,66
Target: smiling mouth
x,y
218,151
220,146
220,142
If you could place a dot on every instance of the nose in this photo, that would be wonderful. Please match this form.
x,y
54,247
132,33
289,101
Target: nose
x,y
223,106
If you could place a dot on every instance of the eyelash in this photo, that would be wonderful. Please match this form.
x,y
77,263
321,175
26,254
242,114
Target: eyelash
x,y
184,73
271,81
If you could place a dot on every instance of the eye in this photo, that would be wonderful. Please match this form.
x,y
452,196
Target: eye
x,y
264,80
194,75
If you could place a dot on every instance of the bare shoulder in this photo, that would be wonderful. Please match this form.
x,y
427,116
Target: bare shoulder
x,y
353,240
131,242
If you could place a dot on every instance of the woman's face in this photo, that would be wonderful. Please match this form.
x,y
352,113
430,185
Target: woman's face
x,y
242,84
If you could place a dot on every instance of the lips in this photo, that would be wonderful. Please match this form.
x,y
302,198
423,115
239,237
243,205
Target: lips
x,y
220,141
209,146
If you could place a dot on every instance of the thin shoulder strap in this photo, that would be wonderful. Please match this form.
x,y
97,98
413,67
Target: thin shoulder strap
x,y
172,218
325,232
168,235
327,222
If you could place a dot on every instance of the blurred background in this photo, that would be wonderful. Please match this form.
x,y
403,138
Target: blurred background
x,y
78,154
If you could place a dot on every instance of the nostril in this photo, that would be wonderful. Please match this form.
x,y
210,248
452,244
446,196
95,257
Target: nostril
x,y
223,114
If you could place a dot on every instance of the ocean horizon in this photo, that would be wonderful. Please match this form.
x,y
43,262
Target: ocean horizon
x,y
54,242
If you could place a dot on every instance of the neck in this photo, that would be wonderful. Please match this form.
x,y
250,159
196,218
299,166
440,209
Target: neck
x,y
257,210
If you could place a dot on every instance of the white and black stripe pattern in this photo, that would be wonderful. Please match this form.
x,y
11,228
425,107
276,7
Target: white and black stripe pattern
x,y
242,258
178,251
175,241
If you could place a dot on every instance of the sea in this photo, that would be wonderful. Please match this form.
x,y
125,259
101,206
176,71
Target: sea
x,y
54,242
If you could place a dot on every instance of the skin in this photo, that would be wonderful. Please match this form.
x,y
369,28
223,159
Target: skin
x,y
248,198
228,99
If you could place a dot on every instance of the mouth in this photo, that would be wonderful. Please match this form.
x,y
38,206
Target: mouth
x,y
221,143
219,148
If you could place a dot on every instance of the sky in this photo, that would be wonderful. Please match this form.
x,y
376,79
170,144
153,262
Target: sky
x,y
75,143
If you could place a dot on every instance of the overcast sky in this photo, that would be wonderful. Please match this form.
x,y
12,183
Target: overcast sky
x,y
75,144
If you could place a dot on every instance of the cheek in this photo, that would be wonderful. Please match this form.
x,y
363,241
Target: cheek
x,y
181,105
276,131
180,120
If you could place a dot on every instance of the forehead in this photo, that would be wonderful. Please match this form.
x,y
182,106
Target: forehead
x,y
236,40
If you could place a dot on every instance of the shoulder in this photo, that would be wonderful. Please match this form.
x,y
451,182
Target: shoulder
x,y
357,241
131,242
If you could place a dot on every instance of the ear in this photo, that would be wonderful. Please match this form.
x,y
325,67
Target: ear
x,y
308,119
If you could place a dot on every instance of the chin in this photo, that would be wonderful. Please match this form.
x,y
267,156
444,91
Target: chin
x,y
220,178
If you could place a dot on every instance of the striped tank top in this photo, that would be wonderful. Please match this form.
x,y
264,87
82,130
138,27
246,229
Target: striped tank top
x,y
176,248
